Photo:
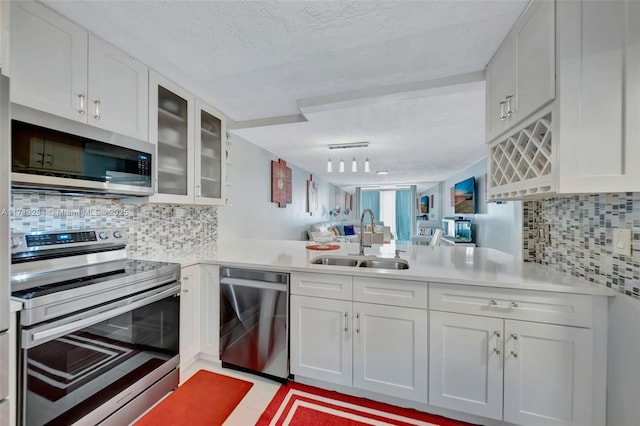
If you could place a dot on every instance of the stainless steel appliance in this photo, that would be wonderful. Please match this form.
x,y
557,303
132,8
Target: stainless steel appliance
x,y
50,152
98,333
458,230
254,321
5,153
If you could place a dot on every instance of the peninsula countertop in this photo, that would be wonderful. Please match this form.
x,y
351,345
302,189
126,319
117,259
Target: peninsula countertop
x,y
456,265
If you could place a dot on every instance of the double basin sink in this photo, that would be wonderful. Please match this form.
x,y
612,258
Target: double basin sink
x,y
361,262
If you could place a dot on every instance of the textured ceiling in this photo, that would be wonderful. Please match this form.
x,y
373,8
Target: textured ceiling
x,y
263,59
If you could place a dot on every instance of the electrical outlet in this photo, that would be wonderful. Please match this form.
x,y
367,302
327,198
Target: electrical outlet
x,y
622,242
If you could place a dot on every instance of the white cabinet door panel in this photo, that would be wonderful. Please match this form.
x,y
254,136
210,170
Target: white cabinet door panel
x,y
465,370
189,315
391,350
321,343
48,60
535,59
210,308
599,65
118,91
546,374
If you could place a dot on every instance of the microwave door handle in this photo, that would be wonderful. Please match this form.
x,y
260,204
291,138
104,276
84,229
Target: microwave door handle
x,y
34,338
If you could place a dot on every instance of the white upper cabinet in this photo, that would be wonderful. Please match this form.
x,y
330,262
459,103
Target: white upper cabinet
x,y
59,68
171,112
49,60
521,76
191,146
118,91
599,134
588,139
210,155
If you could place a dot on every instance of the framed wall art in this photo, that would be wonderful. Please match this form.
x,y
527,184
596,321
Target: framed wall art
x,y
280,183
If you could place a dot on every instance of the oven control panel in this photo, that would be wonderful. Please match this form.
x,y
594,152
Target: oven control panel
x,y
58,239
65,238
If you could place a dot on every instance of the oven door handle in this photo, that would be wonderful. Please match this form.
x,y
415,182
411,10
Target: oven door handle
x,y
33,338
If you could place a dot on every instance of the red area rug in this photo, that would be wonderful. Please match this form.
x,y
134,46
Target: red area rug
x,y
301,405
205,399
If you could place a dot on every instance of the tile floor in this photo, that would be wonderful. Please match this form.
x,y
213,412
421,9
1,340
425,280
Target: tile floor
x,y
255,401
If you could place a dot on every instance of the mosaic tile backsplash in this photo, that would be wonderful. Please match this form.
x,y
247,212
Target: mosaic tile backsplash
x,y
574,235
152,228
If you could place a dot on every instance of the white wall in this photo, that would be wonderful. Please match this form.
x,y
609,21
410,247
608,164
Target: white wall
x,y
497,226
250,213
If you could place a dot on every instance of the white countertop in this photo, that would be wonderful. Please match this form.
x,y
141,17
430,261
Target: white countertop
x,y
459,265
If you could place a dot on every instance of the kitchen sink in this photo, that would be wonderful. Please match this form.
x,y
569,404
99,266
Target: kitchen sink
x,y
361,262
336,261
384,264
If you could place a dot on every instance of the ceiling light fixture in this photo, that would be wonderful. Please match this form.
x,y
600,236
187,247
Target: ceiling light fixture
x,y
367,166
329,166
349,145
354,165
382,172
341,169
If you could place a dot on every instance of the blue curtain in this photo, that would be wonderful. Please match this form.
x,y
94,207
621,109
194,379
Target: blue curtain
x,y
371,200
403,217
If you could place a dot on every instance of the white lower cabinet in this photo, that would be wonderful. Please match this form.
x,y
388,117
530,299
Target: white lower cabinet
x,y
541,370
465,363
547,374
189,315
370,346
390,353
321,342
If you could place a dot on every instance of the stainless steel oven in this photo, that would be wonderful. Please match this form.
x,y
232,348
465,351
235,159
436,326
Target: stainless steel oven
x,y
98,333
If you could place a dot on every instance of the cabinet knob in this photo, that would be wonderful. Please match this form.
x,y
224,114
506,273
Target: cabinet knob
x,y
497,333
514,336
358,327
493,302
503,114
185,290
497,351
514,354
346,321
515,305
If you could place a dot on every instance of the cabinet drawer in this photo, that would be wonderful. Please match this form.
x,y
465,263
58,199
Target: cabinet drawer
x,y
412,294
322,285
528,305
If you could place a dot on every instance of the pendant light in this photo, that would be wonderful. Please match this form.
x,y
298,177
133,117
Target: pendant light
x,y
329,166
354,165
367,166
341,169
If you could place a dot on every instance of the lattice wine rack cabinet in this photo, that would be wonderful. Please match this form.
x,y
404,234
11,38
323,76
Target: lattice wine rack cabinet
x,y
521,166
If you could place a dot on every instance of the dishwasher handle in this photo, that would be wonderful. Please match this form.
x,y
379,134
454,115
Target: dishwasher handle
x,y
254,284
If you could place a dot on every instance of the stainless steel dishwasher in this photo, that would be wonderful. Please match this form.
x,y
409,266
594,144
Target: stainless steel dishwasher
x,y
254,321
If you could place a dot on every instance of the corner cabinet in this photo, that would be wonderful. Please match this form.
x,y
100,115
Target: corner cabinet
x,y
346,330
588,139
190,155
59,68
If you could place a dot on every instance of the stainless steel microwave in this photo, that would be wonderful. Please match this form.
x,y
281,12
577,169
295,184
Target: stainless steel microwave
x,y
54,153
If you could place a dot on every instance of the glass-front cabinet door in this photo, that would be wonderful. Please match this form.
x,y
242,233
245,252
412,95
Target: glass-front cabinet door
x,y
171,128
210,156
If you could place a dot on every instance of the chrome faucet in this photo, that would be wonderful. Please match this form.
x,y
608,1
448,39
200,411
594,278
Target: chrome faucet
x,y
373,229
